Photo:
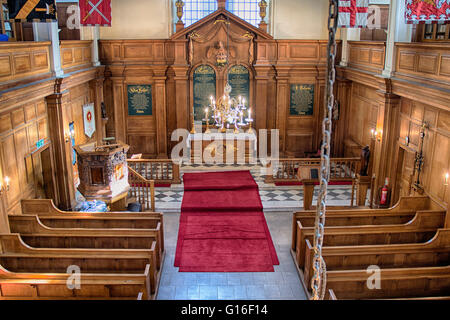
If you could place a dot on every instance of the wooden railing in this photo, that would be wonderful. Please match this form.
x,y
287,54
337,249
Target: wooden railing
x,y
342,169
76,54
21,60
367,55
423,62
162,171
142,190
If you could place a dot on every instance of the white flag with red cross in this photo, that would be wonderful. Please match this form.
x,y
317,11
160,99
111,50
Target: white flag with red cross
x,y
353,13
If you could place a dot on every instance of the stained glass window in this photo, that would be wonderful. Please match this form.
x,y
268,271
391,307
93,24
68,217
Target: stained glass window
x,y
246,9
195,10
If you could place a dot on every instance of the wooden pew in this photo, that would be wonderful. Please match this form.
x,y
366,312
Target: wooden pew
x,y
55,218
16,256
426,282
436,252
402,212
37,235
421,229
53,286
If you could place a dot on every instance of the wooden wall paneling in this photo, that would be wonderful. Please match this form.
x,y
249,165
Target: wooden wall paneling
x,y
424,63
261,97
76,55
23,60
367,55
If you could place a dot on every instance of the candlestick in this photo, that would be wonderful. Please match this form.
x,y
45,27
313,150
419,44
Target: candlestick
x,y
207,121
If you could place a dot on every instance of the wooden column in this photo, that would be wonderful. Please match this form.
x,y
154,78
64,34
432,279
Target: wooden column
x,y
97,89
62,150
343,96
120,126
161,112
261,79
282,106
183,112
387,123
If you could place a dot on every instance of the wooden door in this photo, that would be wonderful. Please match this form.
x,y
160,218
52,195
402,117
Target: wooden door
x,y
405,173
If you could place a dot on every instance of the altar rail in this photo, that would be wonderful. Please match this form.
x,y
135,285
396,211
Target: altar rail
x,y
162,171
142,190
341,169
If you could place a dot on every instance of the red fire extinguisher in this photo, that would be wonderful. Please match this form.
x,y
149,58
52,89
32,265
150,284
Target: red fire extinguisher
x,y
384,196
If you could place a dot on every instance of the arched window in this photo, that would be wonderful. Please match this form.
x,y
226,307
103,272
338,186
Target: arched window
x,y
195,10
246,9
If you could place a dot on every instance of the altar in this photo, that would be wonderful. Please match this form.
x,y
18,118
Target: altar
x,y
228,147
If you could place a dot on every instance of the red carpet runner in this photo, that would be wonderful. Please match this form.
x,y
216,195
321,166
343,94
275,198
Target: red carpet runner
x,y
222,225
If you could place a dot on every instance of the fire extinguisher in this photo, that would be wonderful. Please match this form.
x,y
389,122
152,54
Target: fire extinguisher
x,y
384,196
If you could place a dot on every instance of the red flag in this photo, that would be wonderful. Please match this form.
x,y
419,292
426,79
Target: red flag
x,y
95,12
427,11
353,13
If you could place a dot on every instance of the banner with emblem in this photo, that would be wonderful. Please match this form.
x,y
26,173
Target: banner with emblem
x,y
427,11
95,13
32,10
89,119
353,13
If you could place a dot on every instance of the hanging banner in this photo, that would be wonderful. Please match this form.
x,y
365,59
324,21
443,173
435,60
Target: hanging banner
x,y
427,11
89,119
353,13
31,10
95,13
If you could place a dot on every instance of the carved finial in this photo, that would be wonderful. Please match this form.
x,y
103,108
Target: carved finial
x,y
221,4
180,5
262,13
262,9
179,25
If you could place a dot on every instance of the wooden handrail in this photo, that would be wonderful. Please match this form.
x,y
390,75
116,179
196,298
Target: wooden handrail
x,y
142,189
160,170
342,169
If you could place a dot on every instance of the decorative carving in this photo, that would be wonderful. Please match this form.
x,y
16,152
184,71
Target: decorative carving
x,y
219,51
250,36
262,9
179,4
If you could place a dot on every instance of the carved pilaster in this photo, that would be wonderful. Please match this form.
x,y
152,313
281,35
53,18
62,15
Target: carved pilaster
x,y
62,149
385,144
97,89
161,111
282,106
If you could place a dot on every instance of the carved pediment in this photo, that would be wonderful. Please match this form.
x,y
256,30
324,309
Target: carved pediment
x,y
221,16
221,39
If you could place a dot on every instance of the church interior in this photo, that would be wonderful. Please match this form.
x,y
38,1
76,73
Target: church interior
x,y
224,150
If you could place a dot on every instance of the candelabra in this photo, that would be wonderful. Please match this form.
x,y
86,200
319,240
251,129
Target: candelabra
x,y
229,111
